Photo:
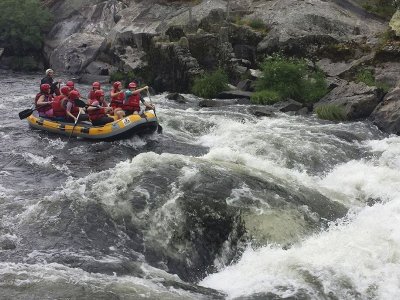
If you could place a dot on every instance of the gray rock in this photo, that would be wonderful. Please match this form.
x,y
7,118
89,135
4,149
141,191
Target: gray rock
x,y
234,95
332,68
90,78
302,112
245,85
6,243
1,51
357,99
387,114
289,105
76,53
262,111
388,73
100,68
255,74
209,103
177,97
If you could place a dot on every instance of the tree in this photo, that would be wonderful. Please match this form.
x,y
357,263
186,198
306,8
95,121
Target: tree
x,y
22,23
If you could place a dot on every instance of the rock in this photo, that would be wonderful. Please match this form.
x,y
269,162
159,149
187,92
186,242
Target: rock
x,y
388,73
245,85
100,68
7,243
89,78
338,68
255,74
302,112
1,51
177,97
287,106
76,52
395,22
209,103
262,111
387,114
301,27
234,95
358,99
335,82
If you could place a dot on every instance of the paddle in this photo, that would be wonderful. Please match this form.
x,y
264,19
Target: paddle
x,y
76,121
26,113
159,127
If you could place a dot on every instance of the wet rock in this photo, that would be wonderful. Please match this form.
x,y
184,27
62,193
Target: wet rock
x,y
255,74
234,95
357,99
302,112
89,78
245,85
262,111
7,243
387,114
1,51
289,105
100,68
177,97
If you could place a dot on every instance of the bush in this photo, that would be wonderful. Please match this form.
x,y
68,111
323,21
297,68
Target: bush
x,y
24,63
331,112
265,97
22,23
382,8
366,76
257,24
210,85
291,78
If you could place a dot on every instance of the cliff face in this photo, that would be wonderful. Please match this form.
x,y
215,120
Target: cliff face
x,y
98,37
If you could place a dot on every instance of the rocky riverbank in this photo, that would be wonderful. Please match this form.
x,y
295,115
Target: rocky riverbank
x,y
170,43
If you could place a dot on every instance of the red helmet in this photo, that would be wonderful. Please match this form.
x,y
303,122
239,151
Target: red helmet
x,y
98,94
74,95
45,88
65,90
70,84
132,85
96,85
117,84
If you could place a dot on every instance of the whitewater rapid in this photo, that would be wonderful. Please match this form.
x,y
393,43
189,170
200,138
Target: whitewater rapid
x,y
222,205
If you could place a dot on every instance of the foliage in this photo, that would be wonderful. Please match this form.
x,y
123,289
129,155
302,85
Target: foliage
x,y
366,76
22,23
24,63
265,97
331,112
292,78
382,8
211,84
256,24
124,77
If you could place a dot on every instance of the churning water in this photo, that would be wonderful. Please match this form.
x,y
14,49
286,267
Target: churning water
x,y
221,205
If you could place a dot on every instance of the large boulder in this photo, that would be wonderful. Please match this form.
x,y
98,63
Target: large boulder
x,y
387,115
357,99
299,26
75,53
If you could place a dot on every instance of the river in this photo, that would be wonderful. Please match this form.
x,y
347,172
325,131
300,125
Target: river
x,y
222,205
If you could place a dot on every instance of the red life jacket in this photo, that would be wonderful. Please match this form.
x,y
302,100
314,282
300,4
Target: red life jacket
x,y
91,95
58,106
132,103
74,108
118,100
47,98
98,113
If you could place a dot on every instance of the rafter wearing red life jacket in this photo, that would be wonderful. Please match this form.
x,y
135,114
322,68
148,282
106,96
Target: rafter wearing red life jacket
x,y
44,110
117,97
60,102
96,114
132,102
95,87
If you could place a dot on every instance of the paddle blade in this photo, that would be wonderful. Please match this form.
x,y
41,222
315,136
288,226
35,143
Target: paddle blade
x,y
80,103
159,129
25,113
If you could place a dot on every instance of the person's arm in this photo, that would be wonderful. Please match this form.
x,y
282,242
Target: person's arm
x,y
41,102
141,89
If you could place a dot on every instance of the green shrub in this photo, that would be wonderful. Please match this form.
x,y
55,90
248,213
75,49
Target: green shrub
x,y
24,63
331,112
210,85
382,8
366,76
291,78
265,97
257,24
22,24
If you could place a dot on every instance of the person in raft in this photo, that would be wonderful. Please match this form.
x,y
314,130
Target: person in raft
x,y
95,87
98,109
117,99
43,101
71,85
131,103
54,86
72,110
60,103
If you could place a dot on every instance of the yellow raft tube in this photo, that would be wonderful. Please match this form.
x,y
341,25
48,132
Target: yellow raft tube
x,y
120,129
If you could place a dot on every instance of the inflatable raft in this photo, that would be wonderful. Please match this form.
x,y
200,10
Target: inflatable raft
x,y
120,129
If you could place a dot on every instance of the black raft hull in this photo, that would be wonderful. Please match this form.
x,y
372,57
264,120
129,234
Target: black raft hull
x,y
120,129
